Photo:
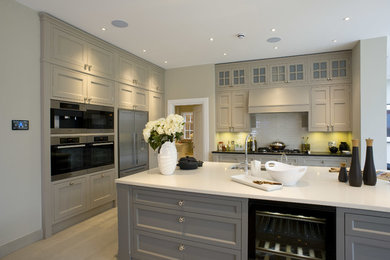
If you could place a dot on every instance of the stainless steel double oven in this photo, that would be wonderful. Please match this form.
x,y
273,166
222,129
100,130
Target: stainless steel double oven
x,y
82,139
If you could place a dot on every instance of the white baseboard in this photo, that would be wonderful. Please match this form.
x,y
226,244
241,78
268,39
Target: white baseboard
x,y
20,243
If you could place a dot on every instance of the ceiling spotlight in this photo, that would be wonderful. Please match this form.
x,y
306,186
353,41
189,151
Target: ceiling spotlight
x,y
334,41
240,36
165,62
119,23
211,39
273,30
347,18
143,51
276,47
224,54
273,39
103,29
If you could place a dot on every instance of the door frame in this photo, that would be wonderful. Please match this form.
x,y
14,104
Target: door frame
x,y
204,102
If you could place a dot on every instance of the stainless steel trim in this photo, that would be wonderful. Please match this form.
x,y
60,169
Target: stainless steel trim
x,y
70,146
100,144
292,217
56,105
99,108
56,140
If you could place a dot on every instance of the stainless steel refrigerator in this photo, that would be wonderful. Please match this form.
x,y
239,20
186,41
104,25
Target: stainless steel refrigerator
x,y
133,150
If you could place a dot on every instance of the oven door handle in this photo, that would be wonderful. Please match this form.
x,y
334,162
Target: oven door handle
x,y
70,146
100,144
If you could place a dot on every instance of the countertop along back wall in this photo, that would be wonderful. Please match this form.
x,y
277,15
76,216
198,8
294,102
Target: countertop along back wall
x,y
20,151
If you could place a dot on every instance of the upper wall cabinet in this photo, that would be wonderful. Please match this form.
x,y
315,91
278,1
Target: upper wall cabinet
x,y
132,98
156,80
71,85
132,72
72,51
330,68
259,74
231,76
288,72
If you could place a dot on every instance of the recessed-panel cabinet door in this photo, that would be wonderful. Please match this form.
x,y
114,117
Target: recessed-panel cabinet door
x,y
156,80
125,96
320,114
100,91
101,187
141,99
70,198
340,108
320,70
360,248
223,111
239,112
126,70
100,61
68,50
68,84
140,75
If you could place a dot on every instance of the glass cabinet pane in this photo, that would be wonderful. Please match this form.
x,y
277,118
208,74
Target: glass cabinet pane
x,y
278,73
320,70
238,77
259,75
296,72
224,78
339,68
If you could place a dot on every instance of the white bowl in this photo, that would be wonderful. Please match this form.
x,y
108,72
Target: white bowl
x,y
287,174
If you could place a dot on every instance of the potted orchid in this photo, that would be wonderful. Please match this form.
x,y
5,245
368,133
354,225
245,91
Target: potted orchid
x,y
161,135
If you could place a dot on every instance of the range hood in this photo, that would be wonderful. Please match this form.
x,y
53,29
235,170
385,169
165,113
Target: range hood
x,y
279,99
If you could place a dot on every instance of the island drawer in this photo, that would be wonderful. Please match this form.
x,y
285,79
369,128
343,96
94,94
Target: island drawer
x,y
189,202
150,246
367,226
208,229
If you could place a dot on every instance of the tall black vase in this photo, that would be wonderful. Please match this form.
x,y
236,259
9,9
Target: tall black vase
x,y
369,173
355,172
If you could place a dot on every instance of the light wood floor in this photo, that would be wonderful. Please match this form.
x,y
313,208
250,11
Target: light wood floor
x,y
94,239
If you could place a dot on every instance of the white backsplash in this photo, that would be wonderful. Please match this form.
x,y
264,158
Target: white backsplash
x,y
285,127
288,128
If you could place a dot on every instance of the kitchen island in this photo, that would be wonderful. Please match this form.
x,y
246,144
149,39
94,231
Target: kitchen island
x,y
208,199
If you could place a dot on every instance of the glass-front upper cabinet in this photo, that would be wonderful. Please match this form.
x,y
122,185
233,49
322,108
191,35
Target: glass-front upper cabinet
x,y
259,75
288,73
231,77
331,68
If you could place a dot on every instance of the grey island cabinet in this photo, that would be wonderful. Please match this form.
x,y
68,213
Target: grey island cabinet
x,y
202,214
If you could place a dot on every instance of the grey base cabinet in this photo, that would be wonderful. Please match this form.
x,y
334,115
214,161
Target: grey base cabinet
x,y
366,235
162,224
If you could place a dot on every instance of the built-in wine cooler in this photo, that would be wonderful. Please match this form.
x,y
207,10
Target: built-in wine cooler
x,y
291,231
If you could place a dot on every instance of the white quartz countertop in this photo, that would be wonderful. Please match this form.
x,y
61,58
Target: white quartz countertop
x,y
318,186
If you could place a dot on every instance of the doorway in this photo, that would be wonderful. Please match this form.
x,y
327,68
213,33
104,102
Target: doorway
x,y
196,133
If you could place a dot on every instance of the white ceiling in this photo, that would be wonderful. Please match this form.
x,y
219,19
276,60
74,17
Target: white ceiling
x,y
178,31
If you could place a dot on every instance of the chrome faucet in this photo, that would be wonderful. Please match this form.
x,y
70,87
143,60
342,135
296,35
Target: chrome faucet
x,y
253,134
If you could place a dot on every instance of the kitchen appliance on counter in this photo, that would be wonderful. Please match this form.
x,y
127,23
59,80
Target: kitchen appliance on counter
x,y
75,118
281,230
277,146
189,163
132,149
78,155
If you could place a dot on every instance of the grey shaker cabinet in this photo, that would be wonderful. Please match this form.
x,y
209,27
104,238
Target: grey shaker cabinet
x,y
167,224
102,188
366,235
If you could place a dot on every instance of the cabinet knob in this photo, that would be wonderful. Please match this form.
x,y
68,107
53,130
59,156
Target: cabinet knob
x,y
85,66
181,203
85,99
89,67
181,219
71,183
102,175
181,247
89,100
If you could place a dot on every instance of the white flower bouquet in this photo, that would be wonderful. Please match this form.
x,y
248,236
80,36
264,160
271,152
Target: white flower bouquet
x,y
156,133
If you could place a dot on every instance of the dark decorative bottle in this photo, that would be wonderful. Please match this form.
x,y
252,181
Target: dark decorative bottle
x,y
369,173
355,172
343,176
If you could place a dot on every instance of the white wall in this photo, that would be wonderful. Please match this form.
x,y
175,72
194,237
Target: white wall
x,y
369,96
20,151
194,82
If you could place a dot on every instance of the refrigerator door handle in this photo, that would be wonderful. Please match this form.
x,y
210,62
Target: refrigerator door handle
x,y
136,148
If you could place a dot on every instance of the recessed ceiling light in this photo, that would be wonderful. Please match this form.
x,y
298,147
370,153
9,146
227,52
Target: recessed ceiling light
x,y
224,54
273,30
103,29
165,62
334,41
143,51
211,39
240,36
119,23
347,18
273,39
276,47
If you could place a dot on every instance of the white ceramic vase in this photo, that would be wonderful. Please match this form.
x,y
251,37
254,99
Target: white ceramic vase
x,y
167,158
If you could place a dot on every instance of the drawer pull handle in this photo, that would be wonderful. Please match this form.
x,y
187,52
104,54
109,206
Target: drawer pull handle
x,y
181,247
102,175
181,219
180,203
